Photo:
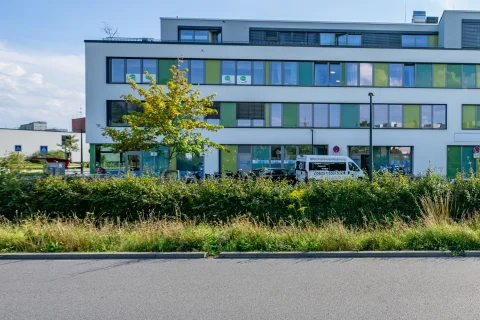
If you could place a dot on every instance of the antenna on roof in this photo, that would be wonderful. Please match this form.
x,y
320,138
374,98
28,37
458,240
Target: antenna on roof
x,y
405,11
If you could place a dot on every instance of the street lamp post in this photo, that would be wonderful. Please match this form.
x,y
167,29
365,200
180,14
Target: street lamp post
x,y
312,141
370,160
81,152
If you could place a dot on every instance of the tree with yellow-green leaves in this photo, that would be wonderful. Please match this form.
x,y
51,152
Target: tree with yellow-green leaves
x,y
171,117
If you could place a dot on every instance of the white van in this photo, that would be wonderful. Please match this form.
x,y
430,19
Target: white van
x,y
326,167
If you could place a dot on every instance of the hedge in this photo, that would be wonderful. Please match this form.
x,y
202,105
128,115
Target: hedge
x,y
220,200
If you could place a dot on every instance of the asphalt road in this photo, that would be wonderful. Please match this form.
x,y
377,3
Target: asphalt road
x,y
447,288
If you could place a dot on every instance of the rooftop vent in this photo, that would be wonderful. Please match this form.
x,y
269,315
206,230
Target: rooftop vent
x,y
419,17
433,20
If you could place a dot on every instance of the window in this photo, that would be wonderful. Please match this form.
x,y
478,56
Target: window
x,y
215,117
244,72
275,73
415,41
423,75
335,74
304,115
454,75
366,74
470,117
201,36
321,74
187,35
149,65
117,70
353,167
409,75
276,114
228,72
259,72
341,39
197,71
395,73
469,76
337,166
354,40
380,116
364,115
408,41
396,116
470,33
320,115
276,156
134,69
186,65
426,116
421,41
352,74
116,110
439,117
335,116
327,39
250,114
290,73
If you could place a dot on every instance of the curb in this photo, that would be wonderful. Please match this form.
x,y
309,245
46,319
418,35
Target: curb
x,y
106,255
472,253
337,254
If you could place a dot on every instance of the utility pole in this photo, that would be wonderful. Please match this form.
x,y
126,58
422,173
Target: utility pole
x,y
312,142
370,160
81,152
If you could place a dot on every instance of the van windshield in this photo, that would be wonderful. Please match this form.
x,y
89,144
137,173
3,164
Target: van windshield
x,y
300,165
328,166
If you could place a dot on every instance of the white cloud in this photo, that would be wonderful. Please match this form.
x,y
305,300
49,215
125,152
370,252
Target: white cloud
x,y
40,86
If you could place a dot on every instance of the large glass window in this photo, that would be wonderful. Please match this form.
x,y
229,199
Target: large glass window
x,y
423,76
364,115
352,74
321,74
408,41
380,116
334,115
454,75
426,116
276,156
335,74
439,72
186,35
304,115
396,116
228,72
289,157
290,73
197,35
320,114
149,65
366,74
469,76
354,40
470,117
215,117
341,39
134,70
260,157
409,75
117,70
201,36
275,73
439,117
276,114
327,39
116,110
250,114
244,72
197,72
259,72
421,41
395,73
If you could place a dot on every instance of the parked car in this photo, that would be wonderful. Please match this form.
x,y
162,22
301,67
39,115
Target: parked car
x,y
274,174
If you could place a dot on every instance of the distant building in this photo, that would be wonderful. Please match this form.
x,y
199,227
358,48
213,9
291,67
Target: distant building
x,y
78,125
36,125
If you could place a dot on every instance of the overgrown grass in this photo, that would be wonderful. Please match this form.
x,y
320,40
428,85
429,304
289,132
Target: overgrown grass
x,y
40,234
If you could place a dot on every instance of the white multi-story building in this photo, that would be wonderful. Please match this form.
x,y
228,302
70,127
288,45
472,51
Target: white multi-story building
x,y
293,87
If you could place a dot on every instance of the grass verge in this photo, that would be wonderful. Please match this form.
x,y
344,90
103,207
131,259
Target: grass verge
x,y
40,234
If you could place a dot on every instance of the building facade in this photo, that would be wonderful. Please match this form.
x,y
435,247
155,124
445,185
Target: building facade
x,y
36,125
286,88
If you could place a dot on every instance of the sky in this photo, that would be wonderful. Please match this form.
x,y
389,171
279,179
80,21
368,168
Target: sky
x,y
42,59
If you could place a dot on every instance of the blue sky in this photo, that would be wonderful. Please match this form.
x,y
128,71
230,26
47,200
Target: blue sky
x,y
42,49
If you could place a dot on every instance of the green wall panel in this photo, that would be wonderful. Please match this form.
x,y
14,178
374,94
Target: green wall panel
x,y
454,160
267,115
380,74
290,115
433,41
92,158
349,116
229,159
468,162
228,114
267,72
454,76
305,70
164,74
423,75
411,116
439,71
468,117
212,71
469,76
343,78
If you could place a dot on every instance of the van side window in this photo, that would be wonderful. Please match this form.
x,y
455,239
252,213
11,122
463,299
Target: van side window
x,y
352,167
338,166
300,165
317,166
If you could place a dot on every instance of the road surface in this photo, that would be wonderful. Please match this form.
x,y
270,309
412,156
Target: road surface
x,y
447,288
